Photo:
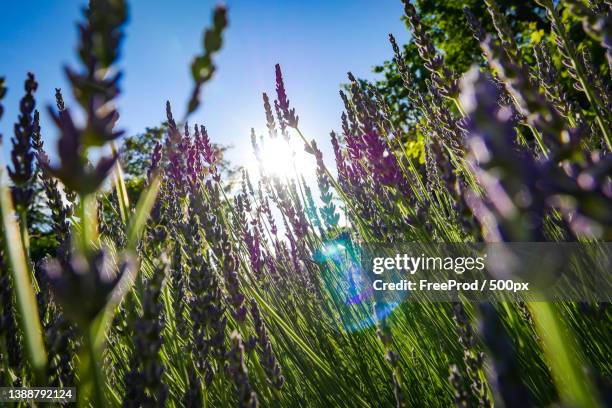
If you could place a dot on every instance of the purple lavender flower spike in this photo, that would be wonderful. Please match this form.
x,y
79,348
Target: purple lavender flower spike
x,y
283,102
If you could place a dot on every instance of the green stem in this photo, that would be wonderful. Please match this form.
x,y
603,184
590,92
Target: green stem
x,y
25,236
539,140
19,267
89,222
95,369
459,107
575,387
122,196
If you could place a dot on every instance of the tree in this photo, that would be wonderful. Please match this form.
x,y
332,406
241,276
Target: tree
x,y
452,36
135,152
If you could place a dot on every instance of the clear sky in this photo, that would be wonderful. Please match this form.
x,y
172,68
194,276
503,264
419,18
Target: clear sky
x,y
315,41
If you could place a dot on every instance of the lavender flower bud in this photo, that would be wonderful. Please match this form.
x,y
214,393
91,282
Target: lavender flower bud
x,y
596,23
144,382
22,156
59,100
267,357
269,117
509,380
2,95
445,81
289,115
477,29
94,89
328,211
85,285
237,371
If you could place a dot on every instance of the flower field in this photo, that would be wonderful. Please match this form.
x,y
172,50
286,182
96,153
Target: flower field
x,y
200,289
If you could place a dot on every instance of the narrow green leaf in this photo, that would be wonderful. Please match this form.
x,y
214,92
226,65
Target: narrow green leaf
x,y
143,209
575,387
26,300
122,196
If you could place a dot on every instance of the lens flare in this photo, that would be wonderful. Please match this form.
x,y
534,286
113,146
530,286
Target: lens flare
x,y
349,286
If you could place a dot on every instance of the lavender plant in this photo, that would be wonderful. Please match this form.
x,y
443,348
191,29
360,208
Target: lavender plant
x,y
249,290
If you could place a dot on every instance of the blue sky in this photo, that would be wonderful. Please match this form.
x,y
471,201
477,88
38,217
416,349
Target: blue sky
x,y
316,42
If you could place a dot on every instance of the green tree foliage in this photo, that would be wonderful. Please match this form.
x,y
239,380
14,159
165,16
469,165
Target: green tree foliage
x,y
136,150
449,29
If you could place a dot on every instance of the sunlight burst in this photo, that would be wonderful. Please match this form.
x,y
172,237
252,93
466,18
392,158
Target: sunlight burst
x,y
282,158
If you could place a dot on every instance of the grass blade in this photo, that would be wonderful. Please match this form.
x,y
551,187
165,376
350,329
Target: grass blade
x,y
143,209
575,387
122,196
26,299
